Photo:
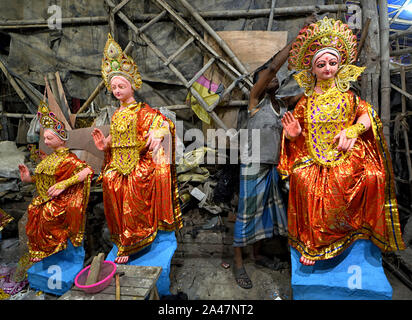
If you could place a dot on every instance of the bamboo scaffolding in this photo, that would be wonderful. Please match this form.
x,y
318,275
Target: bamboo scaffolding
x,y
222,44
233,14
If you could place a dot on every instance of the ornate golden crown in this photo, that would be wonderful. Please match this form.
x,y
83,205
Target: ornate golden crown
x,y
48,120
116,63
325,33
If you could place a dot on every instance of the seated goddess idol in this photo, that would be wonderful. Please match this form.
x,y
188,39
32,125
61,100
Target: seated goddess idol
x,y
334,152
57,213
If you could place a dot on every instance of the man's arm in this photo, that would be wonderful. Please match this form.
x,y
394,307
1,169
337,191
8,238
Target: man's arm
x,y
266,75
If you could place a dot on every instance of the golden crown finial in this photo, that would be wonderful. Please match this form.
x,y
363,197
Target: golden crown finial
x,y
116,63
48,120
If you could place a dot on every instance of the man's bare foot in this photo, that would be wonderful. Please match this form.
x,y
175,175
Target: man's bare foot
x,y
306,261
122,259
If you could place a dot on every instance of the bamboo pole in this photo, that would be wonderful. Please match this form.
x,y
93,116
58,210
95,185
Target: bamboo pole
x,y
270,22
400,52
401,91
371,57
385,73
405,131
400,34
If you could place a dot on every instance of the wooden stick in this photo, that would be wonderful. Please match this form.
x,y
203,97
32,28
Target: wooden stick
x,y
94,271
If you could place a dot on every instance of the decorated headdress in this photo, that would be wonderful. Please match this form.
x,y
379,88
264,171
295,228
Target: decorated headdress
x,y
48,120
321,35
116,63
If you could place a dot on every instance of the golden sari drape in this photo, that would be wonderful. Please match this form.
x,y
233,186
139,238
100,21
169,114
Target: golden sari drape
x,y
140,195
336,198
52,221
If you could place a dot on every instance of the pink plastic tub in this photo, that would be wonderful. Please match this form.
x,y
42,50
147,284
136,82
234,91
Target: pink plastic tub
x,y
107,272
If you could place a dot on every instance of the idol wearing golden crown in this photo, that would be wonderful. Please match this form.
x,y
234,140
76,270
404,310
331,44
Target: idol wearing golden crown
x,y
62,180
139,180
334,152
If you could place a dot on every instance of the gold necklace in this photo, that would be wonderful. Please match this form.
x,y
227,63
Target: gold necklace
x,y
325,85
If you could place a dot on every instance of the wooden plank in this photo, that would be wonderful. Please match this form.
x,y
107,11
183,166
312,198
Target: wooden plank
x,y
254,48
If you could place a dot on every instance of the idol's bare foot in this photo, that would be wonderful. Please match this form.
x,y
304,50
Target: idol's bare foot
x,y
35,259
122,259
306,261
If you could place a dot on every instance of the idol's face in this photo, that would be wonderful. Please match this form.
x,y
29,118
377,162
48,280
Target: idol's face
x,y
325,66
121,88
52,140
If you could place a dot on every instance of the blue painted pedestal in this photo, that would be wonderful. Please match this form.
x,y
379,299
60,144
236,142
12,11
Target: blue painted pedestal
x,y
55,274
356,274
158,254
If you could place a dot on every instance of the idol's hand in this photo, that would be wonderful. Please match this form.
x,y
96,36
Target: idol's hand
x,y
54,191
24,173
99,139
291,125
345,144
153,143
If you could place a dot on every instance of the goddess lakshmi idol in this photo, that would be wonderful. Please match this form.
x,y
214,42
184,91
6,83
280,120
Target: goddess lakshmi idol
x,y
334,152
57,213
140,192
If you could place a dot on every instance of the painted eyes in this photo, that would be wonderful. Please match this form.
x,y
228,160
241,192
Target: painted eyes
x,y
322,65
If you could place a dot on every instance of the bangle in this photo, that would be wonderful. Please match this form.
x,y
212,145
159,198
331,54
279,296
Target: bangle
x,y
67,183
160,133
355,130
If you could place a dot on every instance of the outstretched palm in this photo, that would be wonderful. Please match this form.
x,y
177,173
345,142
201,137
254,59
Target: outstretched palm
x,y
99,139
291,125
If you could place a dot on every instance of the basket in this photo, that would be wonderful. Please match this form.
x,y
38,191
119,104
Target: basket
x,y
107,271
